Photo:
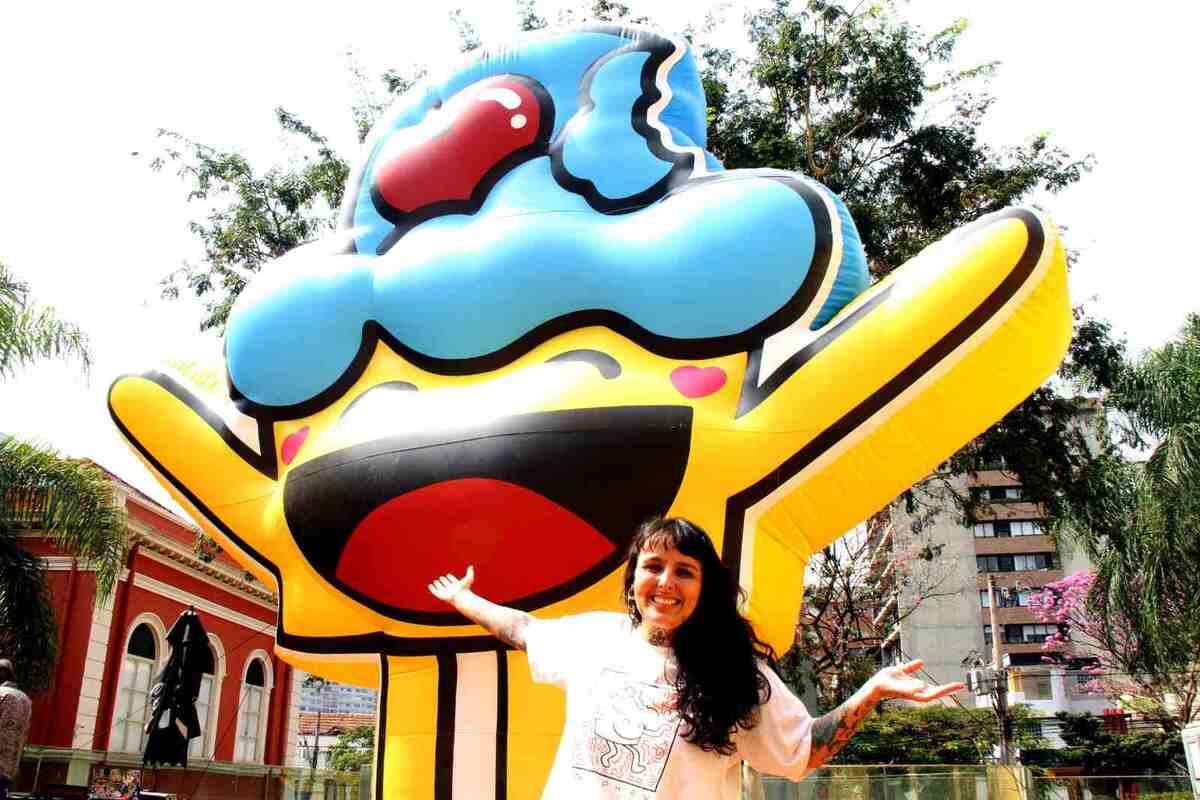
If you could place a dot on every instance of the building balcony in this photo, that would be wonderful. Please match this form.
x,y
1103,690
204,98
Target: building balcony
x,y
1024,579
1007,616
996,545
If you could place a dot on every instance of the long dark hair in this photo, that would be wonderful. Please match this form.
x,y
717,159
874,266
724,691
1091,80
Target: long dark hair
x,y
716,648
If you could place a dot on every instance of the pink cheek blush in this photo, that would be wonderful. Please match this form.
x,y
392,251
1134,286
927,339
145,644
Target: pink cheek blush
x,y
291,445
698,381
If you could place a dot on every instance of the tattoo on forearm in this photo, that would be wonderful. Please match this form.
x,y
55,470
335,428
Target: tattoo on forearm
x,y
831,732
506,624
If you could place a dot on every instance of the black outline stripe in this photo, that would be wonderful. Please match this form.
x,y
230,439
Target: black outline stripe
x,y
447,699
737,505
501,723
265,462
381,733
753,394
665,346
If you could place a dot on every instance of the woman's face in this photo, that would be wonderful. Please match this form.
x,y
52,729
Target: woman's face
x,y
666,588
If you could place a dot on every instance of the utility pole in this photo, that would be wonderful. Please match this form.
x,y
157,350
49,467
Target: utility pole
x,y
1001,682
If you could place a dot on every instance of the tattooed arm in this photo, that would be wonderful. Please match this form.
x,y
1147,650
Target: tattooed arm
x,y
831,732
506,624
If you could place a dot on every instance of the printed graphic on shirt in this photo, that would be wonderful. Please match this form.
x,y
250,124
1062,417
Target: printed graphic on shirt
x,y
630,733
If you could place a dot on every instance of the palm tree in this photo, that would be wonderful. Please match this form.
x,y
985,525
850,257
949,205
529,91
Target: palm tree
x,y
1140,524
68,500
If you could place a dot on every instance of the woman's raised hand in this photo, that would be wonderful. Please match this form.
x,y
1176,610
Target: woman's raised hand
x,y
447,587
900,683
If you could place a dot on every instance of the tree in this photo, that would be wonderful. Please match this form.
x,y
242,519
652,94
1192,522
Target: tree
x,y
30,333
69,500
353,749
931,735
320,684
1140,525
852,603
1100,752
1112,650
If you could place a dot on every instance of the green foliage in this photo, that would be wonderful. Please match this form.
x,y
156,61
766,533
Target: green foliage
x,y
30,333
1140,525
315,682
1101,753
70,501
865,102
256,216
353,749
929,735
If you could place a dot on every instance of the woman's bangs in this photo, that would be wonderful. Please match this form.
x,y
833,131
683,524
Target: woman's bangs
x,y
664,538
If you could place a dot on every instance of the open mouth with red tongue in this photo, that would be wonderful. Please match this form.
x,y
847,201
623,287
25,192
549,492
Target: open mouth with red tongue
x,y
543,505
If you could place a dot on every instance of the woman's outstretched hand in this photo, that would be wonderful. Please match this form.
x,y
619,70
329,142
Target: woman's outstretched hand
x,y
900,683
447,587
506,624
831,731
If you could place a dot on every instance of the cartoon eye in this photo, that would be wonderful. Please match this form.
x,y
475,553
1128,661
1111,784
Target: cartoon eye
x,y
605,364
375,403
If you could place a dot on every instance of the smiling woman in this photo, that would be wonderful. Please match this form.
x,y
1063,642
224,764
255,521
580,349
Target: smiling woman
x,y
672,698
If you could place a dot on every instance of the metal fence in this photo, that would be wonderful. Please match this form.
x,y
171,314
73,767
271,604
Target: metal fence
x,y
943,782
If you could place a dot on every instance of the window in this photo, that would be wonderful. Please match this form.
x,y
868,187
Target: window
x,y
206,709
1027,633
987,635
1006,597
1025,527
133,692
252,712
1033,561
997,493
1011,527
1018,562
1037,686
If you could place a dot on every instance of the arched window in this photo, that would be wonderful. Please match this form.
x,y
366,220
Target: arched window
x,y
252,711
206,708
138,666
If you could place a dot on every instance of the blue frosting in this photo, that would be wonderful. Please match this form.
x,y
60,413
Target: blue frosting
x,y
605,150
712,261
853,274
588,151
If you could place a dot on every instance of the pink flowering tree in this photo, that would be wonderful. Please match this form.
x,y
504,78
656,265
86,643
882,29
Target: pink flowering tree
x,y
1114,648
857,591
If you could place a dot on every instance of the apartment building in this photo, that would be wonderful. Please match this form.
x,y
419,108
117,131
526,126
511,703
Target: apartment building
x,y
1008,545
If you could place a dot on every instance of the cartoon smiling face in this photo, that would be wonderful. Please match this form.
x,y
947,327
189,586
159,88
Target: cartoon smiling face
x,y
550,314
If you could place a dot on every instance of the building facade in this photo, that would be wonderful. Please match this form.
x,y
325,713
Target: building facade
x,y
87,727
1008,545
337,698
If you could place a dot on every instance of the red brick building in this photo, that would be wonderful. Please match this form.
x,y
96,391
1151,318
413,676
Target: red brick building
x,y
87,728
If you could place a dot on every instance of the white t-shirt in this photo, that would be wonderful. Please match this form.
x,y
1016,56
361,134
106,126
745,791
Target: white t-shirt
x,y
623,738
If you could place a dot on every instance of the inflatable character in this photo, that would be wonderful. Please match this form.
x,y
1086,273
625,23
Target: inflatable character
x,y
548,314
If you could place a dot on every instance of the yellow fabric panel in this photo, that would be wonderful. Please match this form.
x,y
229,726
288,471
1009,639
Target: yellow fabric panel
x,y
535,719
411,738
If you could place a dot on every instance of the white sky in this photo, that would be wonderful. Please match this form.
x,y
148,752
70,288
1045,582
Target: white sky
x,y
93,230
